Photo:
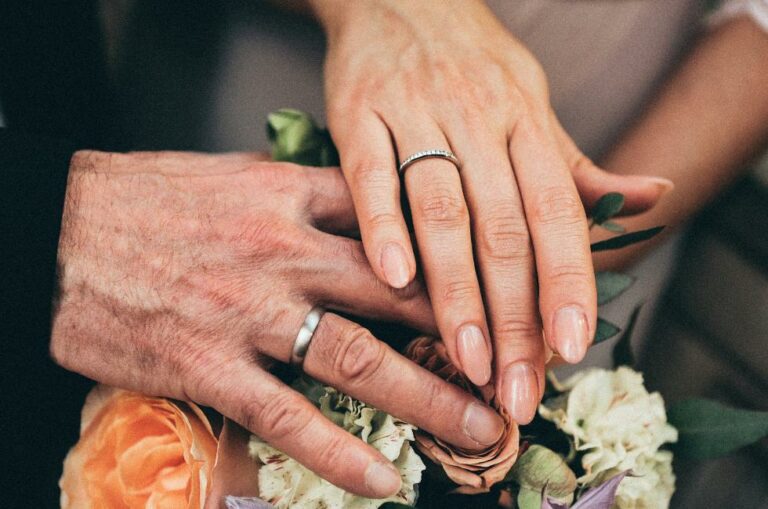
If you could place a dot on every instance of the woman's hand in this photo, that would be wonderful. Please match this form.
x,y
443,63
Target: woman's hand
x,y
405,76
189,275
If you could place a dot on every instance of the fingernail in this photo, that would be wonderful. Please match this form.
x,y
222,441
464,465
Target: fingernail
x,y
474,355
382,479
521,392
395,265
570,333
482,424
666,185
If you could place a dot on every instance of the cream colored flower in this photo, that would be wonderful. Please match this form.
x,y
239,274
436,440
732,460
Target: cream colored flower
x,y
619,426
651,485
284,482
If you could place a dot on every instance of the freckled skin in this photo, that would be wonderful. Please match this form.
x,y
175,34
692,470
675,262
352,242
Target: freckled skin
x,y
188,275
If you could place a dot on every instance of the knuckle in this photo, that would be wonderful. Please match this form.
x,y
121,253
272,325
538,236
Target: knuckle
x,y
459,290
521,322
277,417
558,206
434,398
525,327
260,238
570,274
358,356
505,238
374,175
442,209
383,219
331,453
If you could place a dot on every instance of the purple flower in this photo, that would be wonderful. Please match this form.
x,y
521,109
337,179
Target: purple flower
x,y
601,497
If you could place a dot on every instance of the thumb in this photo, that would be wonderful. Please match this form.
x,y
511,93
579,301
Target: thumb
x,y
640,192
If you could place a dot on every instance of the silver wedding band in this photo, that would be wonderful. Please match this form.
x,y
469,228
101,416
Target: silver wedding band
x,y
427,154
304,337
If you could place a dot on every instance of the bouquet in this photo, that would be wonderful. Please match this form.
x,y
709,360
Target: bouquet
x,y
599,440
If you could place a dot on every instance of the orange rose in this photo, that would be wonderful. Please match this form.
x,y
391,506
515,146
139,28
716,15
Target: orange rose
x,y
474,472
138,451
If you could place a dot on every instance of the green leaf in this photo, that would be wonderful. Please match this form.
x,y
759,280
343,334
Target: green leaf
x,y
396,505
540,467
610,285
708,429
605,330
297,139
626,240
612,227
607,206
622,351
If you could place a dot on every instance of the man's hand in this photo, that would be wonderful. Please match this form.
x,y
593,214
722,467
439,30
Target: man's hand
x,y
187,275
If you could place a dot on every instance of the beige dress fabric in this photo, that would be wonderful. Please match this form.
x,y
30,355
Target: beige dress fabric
x,y
604,59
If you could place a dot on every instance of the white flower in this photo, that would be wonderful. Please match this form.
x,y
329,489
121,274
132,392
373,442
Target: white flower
x,y
651,485
284,482
618,426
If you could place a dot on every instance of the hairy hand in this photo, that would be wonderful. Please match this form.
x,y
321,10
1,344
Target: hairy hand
x,y
187,275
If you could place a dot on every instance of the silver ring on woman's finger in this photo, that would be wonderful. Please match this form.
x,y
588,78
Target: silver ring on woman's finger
x,y
304,337
427,154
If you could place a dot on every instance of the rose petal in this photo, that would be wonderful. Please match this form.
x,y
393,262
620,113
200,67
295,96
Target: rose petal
x,y
138,451
474,472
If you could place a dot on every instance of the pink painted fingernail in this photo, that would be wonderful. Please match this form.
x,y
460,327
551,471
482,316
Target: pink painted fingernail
x,y
394,263
382,479
571,336
474,355
520,392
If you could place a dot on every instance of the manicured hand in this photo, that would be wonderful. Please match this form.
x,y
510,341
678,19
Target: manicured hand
x,y
188,275
503,242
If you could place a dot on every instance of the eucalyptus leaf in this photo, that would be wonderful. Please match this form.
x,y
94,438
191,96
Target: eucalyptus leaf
x,y
607,206
297,139
622,351
626,239
540,468
612,227
709,429
610,285
605,330
396,505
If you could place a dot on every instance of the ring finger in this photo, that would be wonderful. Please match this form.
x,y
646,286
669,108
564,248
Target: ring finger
x,y
442,227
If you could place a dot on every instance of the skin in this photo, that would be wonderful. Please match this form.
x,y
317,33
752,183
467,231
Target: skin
x,y
503,243
188,276
709,119
157,249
